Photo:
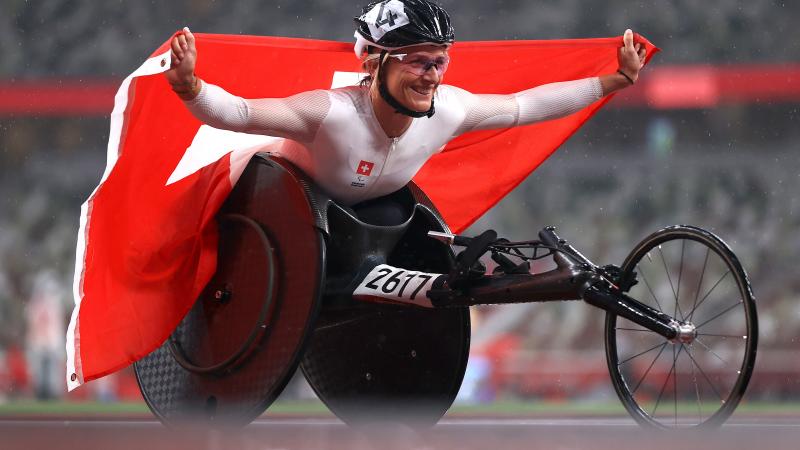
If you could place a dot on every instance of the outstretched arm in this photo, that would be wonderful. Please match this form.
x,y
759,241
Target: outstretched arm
x,y
630,58
297,117
549,101
545,102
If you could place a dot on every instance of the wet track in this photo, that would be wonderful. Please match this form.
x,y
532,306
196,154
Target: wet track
x,y
777,432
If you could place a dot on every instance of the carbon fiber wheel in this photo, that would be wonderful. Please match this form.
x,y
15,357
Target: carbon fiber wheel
x,y
373,363
234,352
697,379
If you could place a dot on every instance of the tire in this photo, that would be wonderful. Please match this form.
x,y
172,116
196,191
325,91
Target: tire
x,y
694,276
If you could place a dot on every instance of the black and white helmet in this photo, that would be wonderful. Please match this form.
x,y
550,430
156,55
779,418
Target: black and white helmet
x,y
392,24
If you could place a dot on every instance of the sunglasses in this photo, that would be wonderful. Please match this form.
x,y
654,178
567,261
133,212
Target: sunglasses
x,y
419,63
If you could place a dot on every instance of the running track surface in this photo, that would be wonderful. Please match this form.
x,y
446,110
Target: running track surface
x,y
782,432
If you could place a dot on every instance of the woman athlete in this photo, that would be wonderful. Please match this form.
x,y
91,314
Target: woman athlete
x,y
400,116
363,142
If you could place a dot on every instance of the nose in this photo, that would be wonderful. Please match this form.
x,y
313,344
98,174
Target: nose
x,y
431,74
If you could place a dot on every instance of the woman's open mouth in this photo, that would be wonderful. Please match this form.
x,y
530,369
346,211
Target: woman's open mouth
x,y
424,92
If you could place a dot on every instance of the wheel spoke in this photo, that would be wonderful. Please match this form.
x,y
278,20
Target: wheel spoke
x,y
672,286
743,337
708,349
646,283
639,383
671,372
640,354
691,313
703,373
696,388
699,284
680,275
675,383
720,314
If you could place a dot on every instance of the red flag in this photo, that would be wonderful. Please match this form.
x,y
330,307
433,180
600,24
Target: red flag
x,y
147,240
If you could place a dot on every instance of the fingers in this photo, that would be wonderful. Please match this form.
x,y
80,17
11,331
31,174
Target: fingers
x,y
189,37
181,45
627,40
175,46
182,41
178,48
175,58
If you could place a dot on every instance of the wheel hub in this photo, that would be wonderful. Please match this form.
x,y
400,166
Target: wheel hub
x,y
685,333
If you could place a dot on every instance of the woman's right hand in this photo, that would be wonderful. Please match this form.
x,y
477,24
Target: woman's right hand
x,y
184,58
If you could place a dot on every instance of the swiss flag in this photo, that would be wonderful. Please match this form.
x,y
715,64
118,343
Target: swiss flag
x,y
365,168
147,240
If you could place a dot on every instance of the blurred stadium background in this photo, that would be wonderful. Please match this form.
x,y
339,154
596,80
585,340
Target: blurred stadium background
x,y
708,137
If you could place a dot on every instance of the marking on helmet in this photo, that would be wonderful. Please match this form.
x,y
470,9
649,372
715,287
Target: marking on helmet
x,y
384,17
388,18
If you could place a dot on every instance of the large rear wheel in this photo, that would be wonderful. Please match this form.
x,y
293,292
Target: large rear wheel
x,y
698,378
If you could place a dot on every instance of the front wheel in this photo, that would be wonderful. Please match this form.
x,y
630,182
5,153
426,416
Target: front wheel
x,y
698,379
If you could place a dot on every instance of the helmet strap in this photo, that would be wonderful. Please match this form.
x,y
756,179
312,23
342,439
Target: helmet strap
x,y
393,102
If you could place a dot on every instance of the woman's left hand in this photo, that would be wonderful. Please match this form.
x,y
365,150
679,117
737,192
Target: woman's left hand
x,y
630,56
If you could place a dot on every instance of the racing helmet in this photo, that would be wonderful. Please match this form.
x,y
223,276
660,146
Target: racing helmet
x,y
393,24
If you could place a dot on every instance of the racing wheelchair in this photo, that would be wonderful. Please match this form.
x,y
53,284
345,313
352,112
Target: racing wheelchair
x,y
680,330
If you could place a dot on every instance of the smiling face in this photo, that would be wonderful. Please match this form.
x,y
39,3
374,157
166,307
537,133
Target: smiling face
x,y
413,91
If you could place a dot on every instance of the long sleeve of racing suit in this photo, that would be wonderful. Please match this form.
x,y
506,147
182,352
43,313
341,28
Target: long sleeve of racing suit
x,y
545,102
298,117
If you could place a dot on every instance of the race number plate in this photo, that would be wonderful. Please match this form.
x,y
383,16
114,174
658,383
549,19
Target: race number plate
x,y
397,285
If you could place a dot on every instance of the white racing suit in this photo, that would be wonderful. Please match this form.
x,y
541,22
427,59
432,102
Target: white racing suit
x,y
335,138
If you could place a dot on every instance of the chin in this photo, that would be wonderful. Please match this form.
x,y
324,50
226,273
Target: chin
x,y
418,105
422,108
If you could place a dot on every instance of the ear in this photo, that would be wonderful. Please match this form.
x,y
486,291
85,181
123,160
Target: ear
x,y
371,67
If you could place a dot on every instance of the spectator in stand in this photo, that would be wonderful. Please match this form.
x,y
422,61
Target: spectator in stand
x,y
45,339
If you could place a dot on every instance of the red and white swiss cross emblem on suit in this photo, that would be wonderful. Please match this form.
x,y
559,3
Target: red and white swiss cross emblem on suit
x,y
365,168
